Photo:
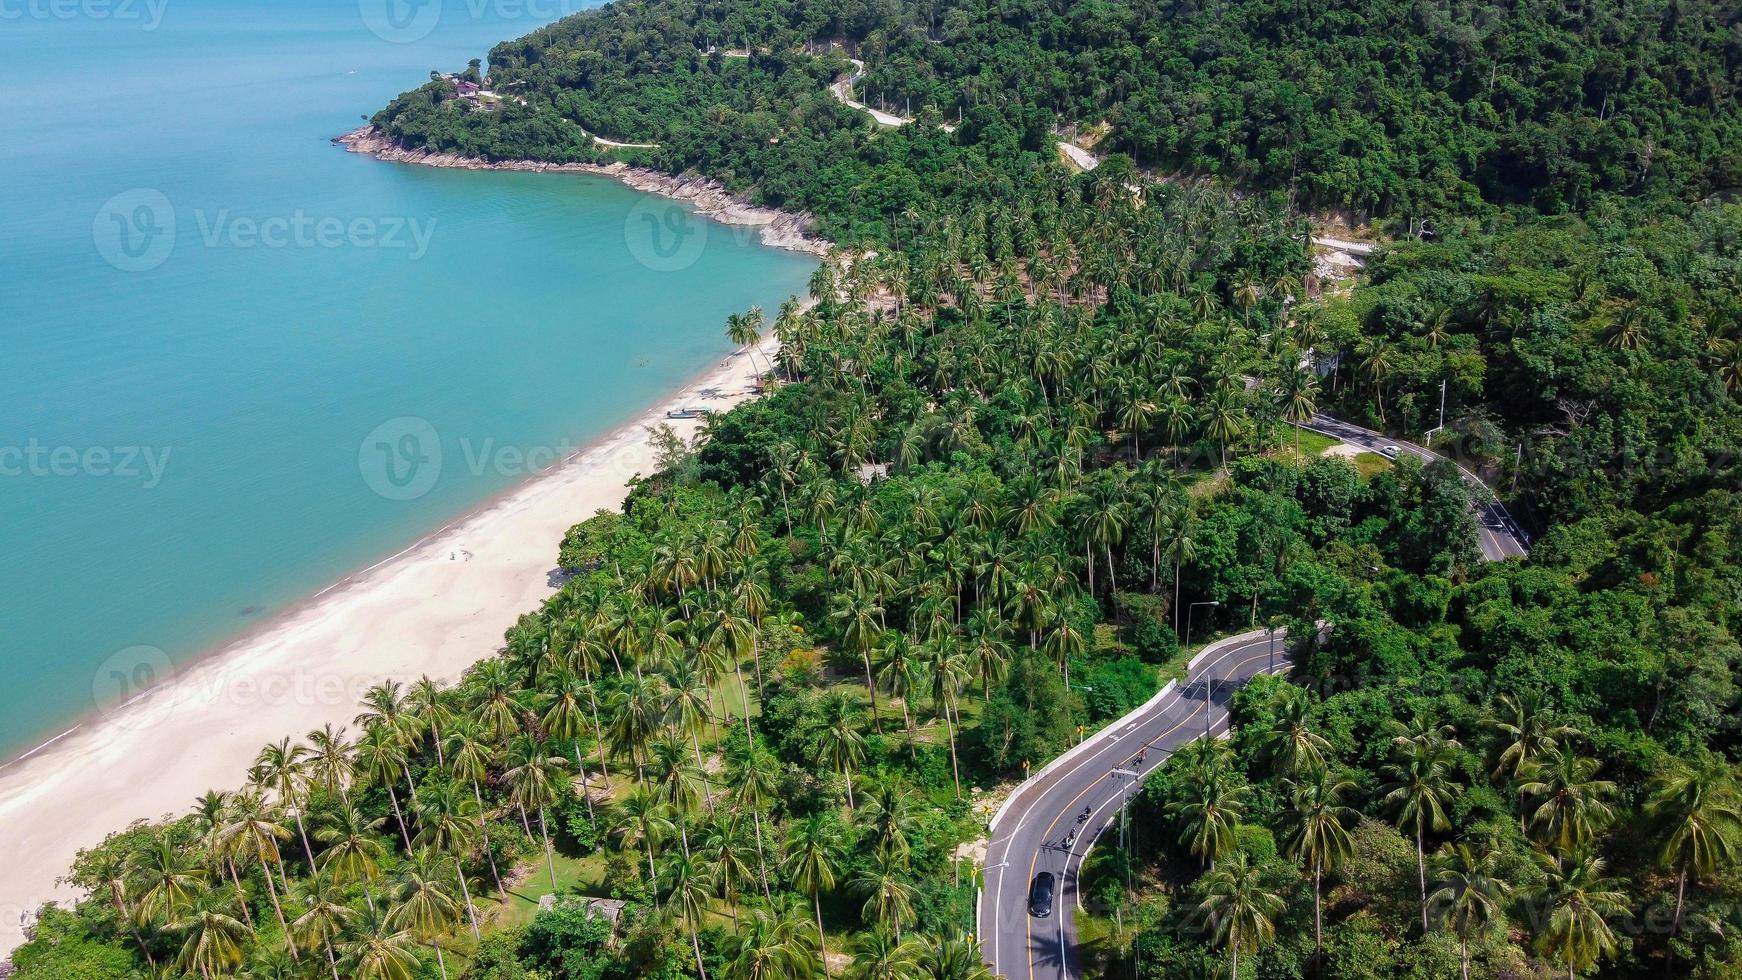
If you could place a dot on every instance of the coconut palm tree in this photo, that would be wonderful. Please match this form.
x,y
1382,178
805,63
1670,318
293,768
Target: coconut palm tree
x,y
879,955
253,830
948,957
773,946
1419,786
634,713
282,768
329,761
643,819
354,851
889,895
381,759
1564,800
1467,893
889,819
325,917
1289,743
168,881
1526,730
843,747
1581,898
469,755
423,905
215,937
813,849
427,707
1319,836
1207,811
861,618
724,859
755,782
532,780
380,951
447,827
1239,912
1700,817
686,889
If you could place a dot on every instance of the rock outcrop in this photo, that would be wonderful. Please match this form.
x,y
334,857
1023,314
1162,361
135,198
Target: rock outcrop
x,y
779,229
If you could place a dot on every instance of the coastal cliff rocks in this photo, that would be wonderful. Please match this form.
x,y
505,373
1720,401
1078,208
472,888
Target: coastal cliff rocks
x,y
778,229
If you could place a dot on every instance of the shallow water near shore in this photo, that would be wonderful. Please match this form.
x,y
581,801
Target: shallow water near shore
x,y
241,363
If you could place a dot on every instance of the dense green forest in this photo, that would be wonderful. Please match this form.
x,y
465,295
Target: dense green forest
x,y
1380,107
1023,422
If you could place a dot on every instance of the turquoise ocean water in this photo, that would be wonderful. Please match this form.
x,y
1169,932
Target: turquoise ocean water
x,y
225,344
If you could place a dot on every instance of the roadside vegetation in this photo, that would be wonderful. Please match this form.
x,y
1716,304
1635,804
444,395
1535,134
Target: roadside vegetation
x,y
1035,429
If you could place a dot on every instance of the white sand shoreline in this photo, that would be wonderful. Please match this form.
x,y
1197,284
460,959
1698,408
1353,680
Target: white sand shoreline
x,y
423,610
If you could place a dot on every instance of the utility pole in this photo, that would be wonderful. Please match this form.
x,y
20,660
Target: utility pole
x,y
1517,463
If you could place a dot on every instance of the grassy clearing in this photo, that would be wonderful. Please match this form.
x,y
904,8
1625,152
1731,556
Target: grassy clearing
x,y
1370,465
1312,443
584,875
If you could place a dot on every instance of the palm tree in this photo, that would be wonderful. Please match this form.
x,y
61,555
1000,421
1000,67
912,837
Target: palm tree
x,y
1239,913
108,871
469,756
842,745
329,760
381,951
251,827
861,618
381,759
353,851
1467,892
423,905
564,721
429,712
447,825
634,711
723,855
1527,730
1697,808
643,819
878,955
169,881
890,820
1564,799
1420,786
813,847
281,768
1181,546
687,896
949,674
1208,812
952,958
773,947
532,780
215,936
755,782
325,917
889,896
1289,743
1580,899
1319,837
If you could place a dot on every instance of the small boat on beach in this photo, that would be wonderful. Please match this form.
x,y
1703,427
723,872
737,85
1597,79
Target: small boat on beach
x,y
689,413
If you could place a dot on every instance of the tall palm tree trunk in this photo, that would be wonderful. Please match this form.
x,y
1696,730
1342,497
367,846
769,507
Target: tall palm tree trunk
x,y
399,817
489,852
549,855
761,856
466,894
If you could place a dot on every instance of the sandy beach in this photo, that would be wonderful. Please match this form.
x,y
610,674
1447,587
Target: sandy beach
x,y
435,608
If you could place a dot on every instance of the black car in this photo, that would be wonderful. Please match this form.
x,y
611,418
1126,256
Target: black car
x,y
1040,895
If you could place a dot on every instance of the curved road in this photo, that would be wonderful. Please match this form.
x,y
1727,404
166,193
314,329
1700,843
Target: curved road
x,y
1498,534
1029,834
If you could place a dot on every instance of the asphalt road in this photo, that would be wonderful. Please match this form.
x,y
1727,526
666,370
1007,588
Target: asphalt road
x,y
1498,534
1028,836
